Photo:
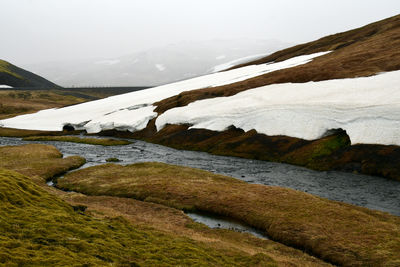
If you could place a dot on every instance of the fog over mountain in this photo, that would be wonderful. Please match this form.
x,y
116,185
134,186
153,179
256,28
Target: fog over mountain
x,y
158,65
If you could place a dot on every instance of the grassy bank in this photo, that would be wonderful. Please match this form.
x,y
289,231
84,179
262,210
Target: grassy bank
x,y
176,223
82,140
41,162
336,232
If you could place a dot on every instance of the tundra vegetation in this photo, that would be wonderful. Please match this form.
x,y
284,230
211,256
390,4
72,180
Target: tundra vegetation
x,y
16,102
43,226
339,233
133,215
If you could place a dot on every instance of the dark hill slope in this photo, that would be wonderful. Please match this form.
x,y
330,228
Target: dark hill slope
x,y
16,77
336,41
364,51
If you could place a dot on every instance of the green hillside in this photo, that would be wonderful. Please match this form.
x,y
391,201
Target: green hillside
x,y
16,77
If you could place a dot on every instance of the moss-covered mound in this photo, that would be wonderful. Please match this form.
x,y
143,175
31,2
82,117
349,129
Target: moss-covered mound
x,y
336,232
40,162
39,229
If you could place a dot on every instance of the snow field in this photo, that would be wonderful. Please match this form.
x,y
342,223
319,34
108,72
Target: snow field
x,y
132,111
368,108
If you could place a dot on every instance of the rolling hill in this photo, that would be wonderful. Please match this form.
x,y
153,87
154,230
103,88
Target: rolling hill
x,y
13,76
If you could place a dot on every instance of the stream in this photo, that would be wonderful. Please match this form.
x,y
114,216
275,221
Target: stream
x,y
220,222
362,190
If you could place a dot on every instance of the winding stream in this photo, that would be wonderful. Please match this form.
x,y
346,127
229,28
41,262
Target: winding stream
x,y
362,190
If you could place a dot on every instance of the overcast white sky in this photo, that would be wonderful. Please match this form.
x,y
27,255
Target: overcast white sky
x,y
45,30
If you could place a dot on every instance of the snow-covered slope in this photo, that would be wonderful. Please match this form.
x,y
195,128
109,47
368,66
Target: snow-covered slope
x,y
368,108
132,111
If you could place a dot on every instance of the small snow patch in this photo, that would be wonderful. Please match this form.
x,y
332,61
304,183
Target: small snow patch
x,y
160,67
235,62
108,62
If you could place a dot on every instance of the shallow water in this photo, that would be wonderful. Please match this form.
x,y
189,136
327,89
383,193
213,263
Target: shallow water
x,y
219,222
368,191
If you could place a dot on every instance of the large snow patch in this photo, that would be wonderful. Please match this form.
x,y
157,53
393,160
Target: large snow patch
x,y
132,111
368,108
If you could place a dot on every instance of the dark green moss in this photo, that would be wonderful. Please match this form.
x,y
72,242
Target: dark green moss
x,y
113,160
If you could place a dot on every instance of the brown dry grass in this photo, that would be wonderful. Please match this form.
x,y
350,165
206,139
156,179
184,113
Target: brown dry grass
x,y
173,221
13,102
361,52
337,232
332,42
10,132
39,229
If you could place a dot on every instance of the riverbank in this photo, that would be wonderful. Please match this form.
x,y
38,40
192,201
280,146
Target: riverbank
x,y
294,216
80,140
332,152
362,190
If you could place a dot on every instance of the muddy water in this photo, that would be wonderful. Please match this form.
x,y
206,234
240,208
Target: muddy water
x,y
362,190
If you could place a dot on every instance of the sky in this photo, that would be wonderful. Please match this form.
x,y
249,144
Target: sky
x,y
34,31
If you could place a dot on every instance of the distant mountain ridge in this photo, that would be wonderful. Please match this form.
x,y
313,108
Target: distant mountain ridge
x,y
155,66
13,76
